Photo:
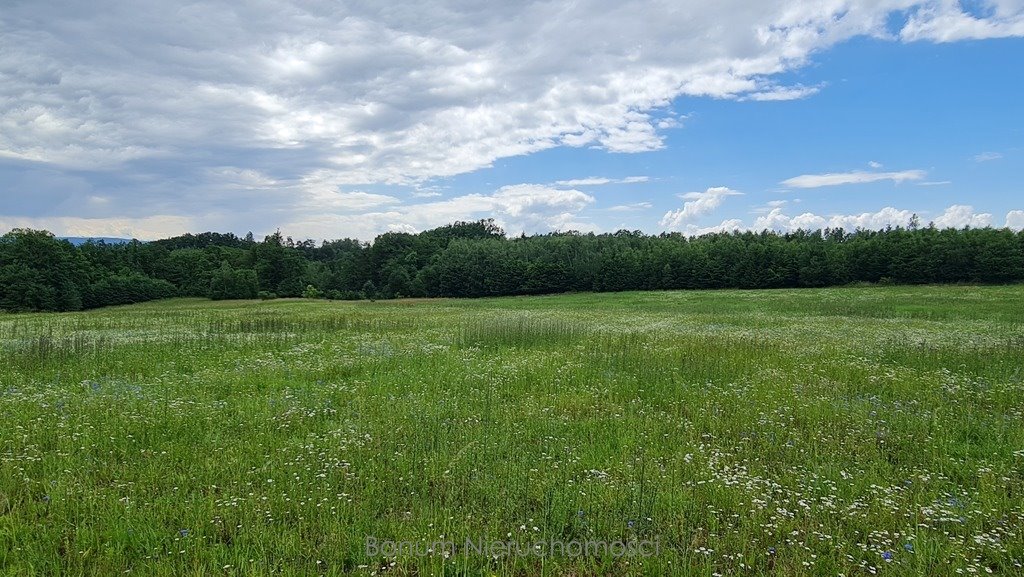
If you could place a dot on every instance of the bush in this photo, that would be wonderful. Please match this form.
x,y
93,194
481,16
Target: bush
x,y
127,289
311,292
267,296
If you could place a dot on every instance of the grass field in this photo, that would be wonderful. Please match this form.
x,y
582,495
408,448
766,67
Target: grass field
x,y
847,431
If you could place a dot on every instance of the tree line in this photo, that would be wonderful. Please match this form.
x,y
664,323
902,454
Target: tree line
x,y
39,272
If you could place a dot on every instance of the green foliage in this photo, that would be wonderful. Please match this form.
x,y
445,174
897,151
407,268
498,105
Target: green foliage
x,y
311,292
475,259
127,289
369,290
40,273
229,283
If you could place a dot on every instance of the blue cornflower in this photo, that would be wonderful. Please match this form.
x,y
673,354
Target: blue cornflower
x,y
183,532
887,555
909,547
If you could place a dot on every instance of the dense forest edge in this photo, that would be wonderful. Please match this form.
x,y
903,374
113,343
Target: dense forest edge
x,y
39,272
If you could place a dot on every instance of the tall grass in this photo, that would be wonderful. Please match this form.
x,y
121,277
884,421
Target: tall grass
x,y
748,432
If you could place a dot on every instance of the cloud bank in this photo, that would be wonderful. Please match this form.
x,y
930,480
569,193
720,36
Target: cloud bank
x,y
227,114
776,219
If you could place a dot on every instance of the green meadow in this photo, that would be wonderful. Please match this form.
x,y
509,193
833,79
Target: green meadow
x,y
848,431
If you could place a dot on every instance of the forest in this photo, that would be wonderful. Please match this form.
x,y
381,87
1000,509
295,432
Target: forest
x,y
39,272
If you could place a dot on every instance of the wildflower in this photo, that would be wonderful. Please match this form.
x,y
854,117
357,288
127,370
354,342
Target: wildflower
x,y
887,555
183,532
771,550
909,547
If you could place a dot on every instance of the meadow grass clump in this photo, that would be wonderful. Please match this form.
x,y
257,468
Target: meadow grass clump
x,y
518,330
854,431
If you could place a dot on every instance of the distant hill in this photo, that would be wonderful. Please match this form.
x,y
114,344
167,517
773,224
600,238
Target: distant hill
x,y
80,240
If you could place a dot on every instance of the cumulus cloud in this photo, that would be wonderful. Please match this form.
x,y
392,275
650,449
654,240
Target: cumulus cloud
x,y
1015,220
855,177
960,215
523,199
779,221
955,216
697,204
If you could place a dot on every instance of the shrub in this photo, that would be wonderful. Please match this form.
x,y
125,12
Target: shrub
x,y
127,289
311,292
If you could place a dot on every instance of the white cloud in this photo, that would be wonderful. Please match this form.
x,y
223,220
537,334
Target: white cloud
x,y
987,156
780,93
855,177
635,179
269,111
1015,220
768,207
411,91
947,21
631,207
959,216
777,220
149,228
725,226
875,165
956,216
591,181
529,208
600,180
520,199
698,204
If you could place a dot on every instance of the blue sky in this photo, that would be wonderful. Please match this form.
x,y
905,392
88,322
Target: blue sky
x,y
350,120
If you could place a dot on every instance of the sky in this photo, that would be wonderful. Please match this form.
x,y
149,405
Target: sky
x,y
327,119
